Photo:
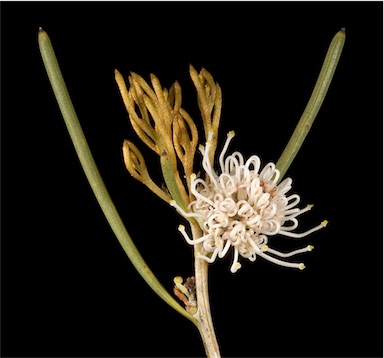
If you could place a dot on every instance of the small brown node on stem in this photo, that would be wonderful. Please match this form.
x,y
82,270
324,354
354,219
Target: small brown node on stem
x,y
306,128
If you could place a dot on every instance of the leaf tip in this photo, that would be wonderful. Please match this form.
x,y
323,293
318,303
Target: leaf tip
x,y
41,31
341,34
42,34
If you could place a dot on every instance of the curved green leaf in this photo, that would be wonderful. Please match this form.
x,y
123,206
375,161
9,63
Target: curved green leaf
x,y
93,175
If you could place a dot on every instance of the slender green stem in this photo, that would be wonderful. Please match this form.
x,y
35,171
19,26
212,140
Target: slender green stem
x,y
170,180
93,175
314,103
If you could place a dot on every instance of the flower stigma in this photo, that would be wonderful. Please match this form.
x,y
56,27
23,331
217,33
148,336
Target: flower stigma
x,y
241,208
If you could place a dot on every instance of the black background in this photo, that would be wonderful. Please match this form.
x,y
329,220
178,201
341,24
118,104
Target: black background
x,y
67,287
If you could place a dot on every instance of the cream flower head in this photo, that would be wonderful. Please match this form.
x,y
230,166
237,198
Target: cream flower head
x,y
241,208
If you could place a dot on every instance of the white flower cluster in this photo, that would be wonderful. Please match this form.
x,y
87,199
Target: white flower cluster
x,y
241,207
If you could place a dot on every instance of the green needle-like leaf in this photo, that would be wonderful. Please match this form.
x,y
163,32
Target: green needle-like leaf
x,y
314,103
93,175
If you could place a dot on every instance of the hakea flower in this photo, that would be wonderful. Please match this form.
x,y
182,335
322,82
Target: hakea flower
x,y
241,208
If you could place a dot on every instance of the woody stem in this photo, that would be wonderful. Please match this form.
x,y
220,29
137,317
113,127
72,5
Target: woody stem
x,y
203,315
